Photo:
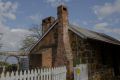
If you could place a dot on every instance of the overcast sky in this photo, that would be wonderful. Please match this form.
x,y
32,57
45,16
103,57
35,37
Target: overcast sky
x,y
16,16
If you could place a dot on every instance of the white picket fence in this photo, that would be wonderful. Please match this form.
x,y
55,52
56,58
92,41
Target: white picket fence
x,y
58,73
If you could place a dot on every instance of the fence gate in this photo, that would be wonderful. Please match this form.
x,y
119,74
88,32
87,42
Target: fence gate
x,y
81,72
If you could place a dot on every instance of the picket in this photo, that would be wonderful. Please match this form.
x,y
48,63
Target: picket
x,y
57,73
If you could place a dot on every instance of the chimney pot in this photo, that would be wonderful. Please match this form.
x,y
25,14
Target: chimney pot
x,y
62,14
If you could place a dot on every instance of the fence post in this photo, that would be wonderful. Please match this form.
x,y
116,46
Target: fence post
x,y
12,77
16,75
41,75
3,68
38,72
24,75
20,76
35,74
49,74
3,76
28,74
7,76
32,74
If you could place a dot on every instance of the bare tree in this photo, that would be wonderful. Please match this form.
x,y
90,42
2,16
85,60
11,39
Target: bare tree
x,y
32,38
37,31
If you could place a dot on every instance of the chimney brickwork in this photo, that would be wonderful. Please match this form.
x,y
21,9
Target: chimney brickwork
x,y
64,52
46,23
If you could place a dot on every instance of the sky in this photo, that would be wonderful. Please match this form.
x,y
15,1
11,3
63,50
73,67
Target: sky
x,y
17,16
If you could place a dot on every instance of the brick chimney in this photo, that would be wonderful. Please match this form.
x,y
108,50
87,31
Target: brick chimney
x,y
46,23
62,14
64,51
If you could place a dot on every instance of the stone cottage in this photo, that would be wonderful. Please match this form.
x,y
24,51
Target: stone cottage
x,y
65,44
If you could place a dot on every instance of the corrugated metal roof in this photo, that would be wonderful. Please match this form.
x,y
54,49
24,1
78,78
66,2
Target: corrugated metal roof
x,y
93,35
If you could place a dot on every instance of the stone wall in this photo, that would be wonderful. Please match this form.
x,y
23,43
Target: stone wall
x,y
85,52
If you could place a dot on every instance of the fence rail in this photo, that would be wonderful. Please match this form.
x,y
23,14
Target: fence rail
x,y
58,73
